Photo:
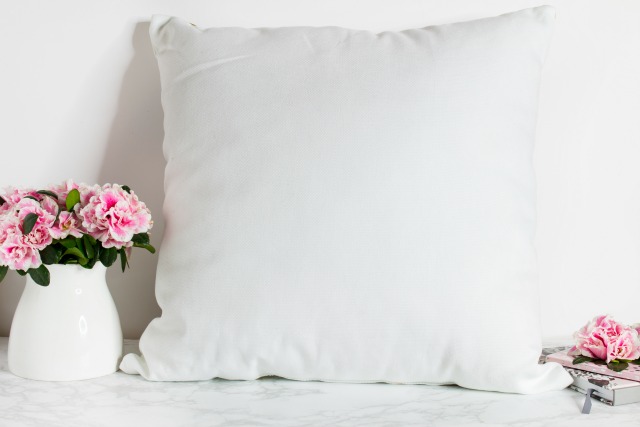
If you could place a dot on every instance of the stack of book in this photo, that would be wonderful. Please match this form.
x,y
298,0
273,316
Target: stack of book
x,y
610,387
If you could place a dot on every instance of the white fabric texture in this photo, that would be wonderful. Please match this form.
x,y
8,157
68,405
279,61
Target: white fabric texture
x,y
350,206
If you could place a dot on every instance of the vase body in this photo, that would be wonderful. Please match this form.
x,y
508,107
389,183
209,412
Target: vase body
x,y
69,330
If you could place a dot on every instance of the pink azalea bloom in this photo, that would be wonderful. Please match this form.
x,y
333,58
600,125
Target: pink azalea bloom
x,y
626,346
28,206
66,225
86,191
48,204
39,238
18,254
604,338
62,190
13,195
5,207
8,225
113,216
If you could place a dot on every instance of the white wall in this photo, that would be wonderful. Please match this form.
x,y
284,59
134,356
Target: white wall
x,y
79,97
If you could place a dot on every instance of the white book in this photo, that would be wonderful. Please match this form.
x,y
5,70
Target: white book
x,y
610,390
606,388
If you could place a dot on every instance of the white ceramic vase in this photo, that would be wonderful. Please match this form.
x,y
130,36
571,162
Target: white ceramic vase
x,y
69,330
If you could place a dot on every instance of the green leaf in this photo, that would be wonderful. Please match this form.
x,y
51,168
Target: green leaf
x,y
22,272
88,246
50,255
77,254
29,222
636,362
89,265
73,198
90,239
80,246
126,188
616,366
68,242
48,193
147,247
2,201
108,256
96,255
581,359
3,271
40,275
141,238
123,259
599,362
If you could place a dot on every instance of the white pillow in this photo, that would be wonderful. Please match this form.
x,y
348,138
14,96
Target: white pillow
x,y
350,206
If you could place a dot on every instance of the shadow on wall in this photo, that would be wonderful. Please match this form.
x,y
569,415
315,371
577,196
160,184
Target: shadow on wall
x,y
134,157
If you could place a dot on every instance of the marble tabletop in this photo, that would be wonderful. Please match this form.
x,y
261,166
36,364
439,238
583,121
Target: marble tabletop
x,y
124,400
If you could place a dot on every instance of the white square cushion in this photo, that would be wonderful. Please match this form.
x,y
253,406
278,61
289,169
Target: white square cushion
x,y
350,206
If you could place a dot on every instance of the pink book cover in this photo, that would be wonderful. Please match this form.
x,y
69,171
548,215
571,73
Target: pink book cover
x,y
561,357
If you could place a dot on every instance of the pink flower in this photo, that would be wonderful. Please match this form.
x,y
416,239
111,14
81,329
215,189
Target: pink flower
x,y
626,346
50,205
13,195
604,338
17,250
39,238
62,190
18,254
8,225
86,191
4,207
113,216
109,213
67,224
28,206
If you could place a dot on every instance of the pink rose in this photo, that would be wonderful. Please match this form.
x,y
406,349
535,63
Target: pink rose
x,y
113,216
18,254
604,338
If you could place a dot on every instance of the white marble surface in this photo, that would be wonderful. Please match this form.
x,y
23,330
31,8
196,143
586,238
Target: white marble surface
x,y
123,400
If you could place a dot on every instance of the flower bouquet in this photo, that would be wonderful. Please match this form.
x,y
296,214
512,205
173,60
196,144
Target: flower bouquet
x,y
70,224
603,341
